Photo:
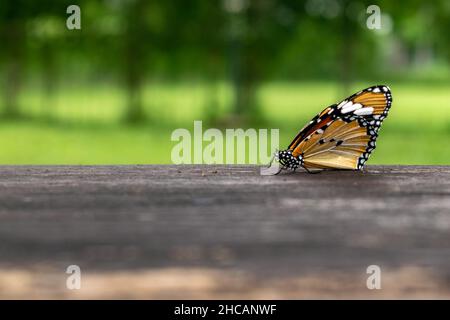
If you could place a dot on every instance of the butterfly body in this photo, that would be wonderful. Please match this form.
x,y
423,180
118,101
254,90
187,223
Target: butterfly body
x,y
342,136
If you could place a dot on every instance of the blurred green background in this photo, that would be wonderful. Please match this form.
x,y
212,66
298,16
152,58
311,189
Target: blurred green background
x,y
113,92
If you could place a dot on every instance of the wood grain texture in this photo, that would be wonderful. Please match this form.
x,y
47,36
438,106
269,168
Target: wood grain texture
x,y
223,232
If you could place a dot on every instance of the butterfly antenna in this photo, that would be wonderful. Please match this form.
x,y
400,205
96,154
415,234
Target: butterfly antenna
x,y
273,158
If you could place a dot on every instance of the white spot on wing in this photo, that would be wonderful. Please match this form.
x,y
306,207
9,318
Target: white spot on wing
x,y
341,104
364,111
349,108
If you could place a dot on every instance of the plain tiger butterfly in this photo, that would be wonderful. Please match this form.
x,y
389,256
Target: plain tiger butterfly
x,y
342,136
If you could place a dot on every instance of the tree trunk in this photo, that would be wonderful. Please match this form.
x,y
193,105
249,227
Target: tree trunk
x,y
49,78
346,55
15,38
134,60
244,70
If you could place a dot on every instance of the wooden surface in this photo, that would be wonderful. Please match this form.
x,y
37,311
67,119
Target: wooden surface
x,y
223,232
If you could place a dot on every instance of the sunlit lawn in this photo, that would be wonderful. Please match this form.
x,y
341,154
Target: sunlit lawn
x,y
85,128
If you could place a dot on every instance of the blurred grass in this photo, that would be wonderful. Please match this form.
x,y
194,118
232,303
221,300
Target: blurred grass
x,y
84,127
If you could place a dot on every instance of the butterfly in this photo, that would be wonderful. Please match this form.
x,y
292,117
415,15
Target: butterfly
x,y
342,136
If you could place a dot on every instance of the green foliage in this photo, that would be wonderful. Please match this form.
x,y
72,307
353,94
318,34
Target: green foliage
x,y
162,64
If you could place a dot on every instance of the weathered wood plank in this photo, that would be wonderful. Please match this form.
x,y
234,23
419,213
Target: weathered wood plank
x,y
224,231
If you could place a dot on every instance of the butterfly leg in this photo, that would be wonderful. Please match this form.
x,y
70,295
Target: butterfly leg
x,y
278,172
280,168
312,172
273,158
270,169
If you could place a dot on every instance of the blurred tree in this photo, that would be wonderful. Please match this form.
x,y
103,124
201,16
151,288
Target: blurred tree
x,y
205,38
350,34
134,54
258,32
13,37
45,36
442,25
22,22
242,42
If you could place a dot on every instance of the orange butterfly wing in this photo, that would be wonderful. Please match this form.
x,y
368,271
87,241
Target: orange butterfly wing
x,y
344,135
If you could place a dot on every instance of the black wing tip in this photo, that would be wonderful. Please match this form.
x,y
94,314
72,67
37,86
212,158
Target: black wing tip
x,y
382,87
